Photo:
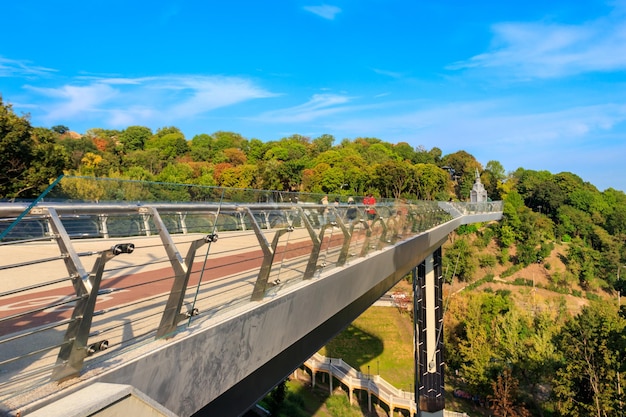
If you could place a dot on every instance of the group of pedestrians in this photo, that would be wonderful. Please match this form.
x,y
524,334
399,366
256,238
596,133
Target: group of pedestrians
x,y
327,215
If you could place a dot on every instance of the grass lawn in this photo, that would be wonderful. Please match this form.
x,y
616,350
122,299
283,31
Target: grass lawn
x,y
382,338
380,341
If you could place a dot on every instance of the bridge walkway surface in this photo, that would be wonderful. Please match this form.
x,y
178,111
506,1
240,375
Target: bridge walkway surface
x,y
190,307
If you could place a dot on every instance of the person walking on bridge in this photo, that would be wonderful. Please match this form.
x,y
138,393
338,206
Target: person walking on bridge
x,y
324,210
370,202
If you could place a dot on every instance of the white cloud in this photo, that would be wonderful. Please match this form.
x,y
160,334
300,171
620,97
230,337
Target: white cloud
x,y
325,11
15,68
121,102
320,105
391,74
209,93
72,101
543,50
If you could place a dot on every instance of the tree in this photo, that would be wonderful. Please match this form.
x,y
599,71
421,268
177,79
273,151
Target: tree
x,y
430,181
323,143
503,400
170,145
201,147
77,148
16,153
378,153
50,159
392,178
592,346
60,129
492,178
464,167
404,151
134,137
460,260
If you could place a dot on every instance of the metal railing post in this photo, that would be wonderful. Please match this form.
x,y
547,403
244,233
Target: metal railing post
x,y
182,270
87,286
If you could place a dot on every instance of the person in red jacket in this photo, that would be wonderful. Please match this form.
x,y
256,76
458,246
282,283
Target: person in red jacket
x,y
370,202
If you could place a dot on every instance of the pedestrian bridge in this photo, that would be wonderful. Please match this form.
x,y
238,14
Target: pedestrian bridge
x,y
187,300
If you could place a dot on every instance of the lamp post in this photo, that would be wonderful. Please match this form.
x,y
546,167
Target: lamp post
x,y
368,372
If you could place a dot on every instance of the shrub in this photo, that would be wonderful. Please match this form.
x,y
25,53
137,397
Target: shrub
x,y
510,271
467,229
503,293
487,261
504,256
523,282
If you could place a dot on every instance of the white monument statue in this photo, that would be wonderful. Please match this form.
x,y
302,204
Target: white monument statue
x,y
478,193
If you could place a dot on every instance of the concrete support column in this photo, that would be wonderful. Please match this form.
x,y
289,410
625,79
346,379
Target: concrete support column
x,y
330,377
428,316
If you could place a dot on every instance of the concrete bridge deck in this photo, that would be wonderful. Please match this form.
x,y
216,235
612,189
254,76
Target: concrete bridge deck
x,y
250,303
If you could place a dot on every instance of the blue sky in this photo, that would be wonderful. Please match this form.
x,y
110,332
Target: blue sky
x,y
536,84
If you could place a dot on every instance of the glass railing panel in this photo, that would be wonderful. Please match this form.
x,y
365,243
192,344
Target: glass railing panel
x,y
217,239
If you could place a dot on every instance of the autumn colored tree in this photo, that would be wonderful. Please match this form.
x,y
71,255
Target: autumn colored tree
x,y
504,401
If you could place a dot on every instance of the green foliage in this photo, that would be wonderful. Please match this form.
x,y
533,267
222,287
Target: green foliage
x,y
339,406
585,381
504,256
592,296
170,145
16,154
460,260
485,236
134,137
523,282
429,181
467,229
511,270
487,260
393,178
526,254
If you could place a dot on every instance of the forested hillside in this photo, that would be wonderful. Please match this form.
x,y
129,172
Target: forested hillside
x,y
506,340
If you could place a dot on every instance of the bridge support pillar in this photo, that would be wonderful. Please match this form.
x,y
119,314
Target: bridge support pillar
x,y
428,322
